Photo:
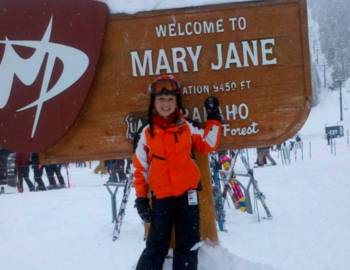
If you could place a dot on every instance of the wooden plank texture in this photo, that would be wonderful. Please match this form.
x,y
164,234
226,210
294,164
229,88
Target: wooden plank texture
x,y
271,93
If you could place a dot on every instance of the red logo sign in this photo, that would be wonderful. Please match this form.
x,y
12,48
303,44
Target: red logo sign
x,y
48,56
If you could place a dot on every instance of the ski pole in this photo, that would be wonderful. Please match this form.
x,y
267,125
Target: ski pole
x,y
68,180
310,150
256,206
228,204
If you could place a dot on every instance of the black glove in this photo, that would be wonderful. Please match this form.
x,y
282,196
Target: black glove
x,y
211,105
143,208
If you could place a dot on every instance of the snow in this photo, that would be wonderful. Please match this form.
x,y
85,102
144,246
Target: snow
x,y
319,118
134,6
309,199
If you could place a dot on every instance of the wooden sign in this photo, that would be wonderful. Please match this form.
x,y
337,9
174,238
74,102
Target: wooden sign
x,y
253,56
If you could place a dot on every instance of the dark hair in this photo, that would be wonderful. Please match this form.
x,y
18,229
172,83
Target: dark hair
x,y
151,110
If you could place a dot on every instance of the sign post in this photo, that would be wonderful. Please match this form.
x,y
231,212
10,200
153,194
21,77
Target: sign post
x,y
334,131
339,78
206,202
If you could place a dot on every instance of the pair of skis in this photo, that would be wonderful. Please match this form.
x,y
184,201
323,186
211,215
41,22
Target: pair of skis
x,y
258,195
252,184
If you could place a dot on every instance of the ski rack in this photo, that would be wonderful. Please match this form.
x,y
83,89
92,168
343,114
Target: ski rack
x,y
252,184
118,216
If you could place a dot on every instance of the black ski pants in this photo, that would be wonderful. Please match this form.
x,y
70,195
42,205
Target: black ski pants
x,y
38,173
23,173
54,169
57,170
166,213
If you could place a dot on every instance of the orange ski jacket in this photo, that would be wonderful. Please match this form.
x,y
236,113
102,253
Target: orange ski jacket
x,y
164,164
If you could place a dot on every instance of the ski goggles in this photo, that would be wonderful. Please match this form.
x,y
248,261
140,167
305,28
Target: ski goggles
x,y
166,86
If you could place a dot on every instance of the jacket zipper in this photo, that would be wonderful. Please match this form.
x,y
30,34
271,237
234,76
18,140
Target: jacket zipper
x,y
176,139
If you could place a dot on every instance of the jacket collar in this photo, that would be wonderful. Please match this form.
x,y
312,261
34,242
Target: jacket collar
x,y
173,123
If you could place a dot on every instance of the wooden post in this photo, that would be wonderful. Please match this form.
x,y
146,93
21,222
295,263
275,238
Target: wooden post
x,y
100,169
206,202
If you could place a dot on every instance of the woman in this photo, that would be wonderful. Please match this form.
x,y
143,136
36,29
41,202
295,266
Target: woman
x,y
164,166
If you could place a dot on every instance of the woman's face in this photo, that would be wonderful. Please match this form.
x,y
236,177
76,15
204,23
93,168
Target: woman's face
x,y
165,105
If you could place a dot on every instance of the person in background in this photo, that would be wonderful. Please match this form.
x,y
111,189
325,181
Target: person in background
x,y
51,170
298,143
111,168
121,169
3,163
128,166
260,158
264,155
80,164
38,171
22,169
165,168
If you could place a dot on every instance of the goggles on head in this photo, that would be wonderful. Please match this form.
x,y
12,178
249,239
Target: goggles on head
x,y
166,84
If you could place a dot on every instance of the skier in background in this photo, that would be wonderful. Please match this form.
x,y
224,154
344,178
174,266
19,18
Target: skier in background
x,y
38,171
121,169
3,164
264,155
51,170
117,169
164,166
111,168
22,169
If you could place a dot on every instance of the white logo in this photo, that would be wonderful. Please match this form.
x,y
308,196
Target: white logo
x,y
134,124
75,63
